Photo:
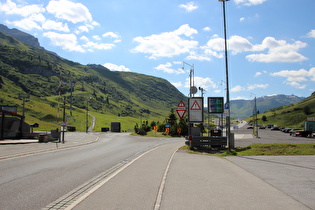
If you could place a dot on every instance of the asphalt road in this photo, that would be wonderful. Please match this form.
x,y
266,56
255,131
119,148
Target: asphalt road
x,y
43,180
247,138
34,181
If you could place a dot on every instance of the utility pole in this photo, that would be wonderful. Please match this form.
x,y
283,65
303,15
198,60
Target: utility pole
x,y
227,104
64,119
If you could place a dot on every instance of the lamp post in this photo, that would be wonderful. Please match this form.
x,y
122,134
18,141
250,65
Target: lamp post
x,y
87,115
192,88
227,105
255,117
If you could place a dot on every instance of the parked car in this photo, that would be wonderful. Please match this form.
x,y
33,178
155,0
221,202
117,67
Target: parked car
x,y
250,127
292,131
286,130
275,128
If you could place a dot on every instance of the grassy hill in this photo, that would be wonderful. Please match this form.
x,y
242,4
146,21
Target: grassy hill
x,y
45,80
291,116
244,108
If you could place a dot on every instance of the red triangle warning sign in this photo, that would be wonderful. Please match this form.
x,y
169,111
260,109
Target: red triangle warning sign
x,y
181,104
195,106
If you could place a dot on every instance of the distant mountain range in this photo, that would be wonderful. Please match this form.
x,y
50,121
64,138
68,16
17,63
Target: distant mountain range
x,y
245,108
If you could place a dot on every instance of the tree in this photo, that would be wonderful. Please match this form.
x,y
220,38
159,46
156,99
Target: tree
x,y
264,118
307,110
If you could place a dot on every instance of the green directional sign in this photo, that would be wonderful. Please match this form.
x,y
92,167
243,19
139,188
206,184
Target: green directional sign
x,y
215,105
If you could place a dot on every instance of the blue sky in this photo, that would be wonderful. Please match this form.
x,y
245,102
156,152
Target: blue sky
x,y
271,42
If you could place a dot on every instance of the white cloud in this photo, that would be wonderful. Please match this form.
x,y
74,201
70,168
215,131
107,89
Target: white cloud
x,y
260,73
167,44
96,37
84,38
204,82
70,11
11,8
279,51
254,86
189,6
111,34
295,77
249,87
237,88
311,34
242,19
65,41
114,67
53,25
177,84
167,68
249,2
206,28
26,24
98,46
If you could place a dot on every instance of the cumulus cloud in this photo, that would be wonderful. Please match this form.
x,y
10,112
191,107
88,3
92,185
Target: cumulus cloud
x,y
254,86
114,67
11,8
278,51
249,87
167,68
249,2
65,41
237,88
189,6
70,11
295,77
53,25
177,84
167,44
311,34
204,82
207,28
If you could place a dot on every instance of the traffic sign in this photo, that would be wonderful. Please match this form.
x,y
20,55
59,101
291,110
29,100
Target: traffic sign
x,y
215,105
181,113
181,110
181,104
195,105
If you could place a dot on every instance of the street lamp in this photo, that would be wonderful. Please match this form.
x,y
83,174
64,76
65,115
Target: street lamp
x,y
227,105
255,117
202,91
192,88
87,115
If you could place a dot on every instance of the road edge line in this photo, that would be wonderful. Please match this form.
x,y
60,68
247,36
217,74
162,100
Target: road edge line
x,y
75,203
162,185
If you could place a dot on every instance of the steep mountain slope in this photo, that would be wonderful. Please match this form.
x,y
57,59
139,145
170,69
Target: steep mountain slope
x,y
290,116
244,108
29,71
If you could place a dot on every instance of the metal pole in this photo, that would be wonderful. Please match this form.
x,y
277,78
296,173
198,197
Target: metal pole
x,y
64,119
87,116
228,122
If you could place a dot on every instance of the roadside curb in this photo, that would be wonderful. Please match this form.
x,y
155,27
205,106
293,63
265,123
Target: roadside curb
x,y
45,150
